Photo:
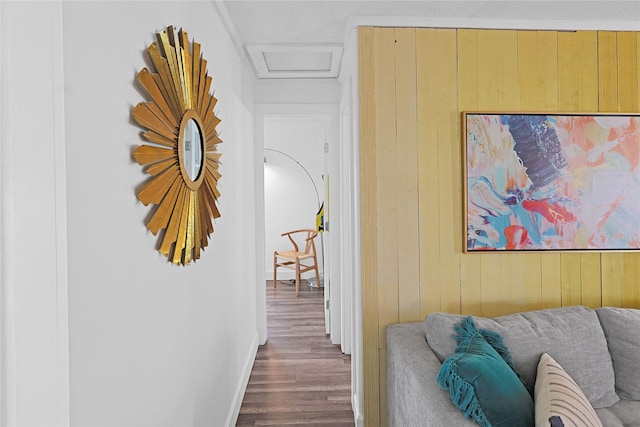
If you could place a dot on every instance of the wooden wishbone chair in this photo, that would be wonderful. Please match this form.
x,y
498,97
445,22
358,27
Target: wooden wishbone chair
x,y
292,259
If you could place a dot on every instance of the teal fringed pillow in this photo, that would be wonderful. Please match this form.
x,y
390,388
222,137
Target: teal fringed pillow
x,y
482,381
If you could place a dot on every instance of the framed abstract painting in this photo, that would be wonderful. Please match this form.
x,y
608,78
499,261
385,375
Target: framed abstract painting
x,y
551,182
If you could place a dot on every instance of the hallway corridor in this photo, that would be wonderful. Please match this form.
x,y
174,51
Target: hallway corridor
x,y
299,378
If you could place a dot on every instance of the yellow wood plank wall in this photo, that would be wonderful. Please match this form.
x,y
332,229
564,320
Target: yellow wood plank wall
x,y
414,84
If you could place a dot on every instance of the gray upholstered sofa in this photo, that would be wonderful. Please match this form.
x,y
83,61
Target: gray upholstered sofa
x,y
599,349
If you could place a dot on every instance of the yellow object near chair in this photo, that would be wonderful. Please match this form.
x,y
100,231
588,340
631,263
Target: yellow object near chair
x,y
292,259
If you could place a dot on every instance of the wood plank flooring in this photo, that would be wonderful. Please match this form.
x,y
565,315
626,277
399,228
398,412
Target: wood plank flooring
x,y
299,378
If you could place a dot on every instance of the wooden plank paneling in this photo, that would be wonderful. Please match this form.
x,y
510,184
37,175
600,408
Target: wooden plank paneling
x,y
383,386
406,77
630,291
591,278
507,71
586,69
467,70
612,276
470,266
627,72
429,172
368,196
527,69
568,93
386,178
571,279
550,277
407,164
547,71
638,62
449,166
414,85
488,59
607,71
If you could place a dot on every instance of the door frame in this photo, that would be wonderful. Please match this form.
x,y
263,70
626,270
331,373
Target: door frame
x,y
331,113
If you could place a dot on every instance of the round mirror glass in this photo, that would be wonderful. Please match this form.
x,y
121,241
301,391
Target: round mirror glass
x,y
192,150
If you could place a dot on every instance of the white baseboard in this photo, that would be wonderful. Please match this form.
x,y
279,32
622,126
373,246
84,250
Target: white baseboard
x,y
232,418
357,415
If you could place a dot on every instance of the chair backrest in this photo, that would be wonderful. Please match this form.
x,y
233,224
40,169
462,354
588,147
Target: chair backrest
x,y
310,247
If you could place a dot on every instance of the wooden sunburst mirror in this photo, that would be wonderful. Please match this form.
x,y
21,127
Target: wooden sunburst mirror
x,y
180,153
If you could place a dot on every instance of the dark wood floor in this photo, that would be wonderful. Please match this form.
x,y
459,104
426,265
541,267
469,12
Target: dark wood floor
x,y
299,378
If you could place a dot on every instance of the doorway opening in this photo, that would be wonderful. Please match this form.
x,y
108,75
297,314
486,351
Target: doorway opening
x,y
301,371
295,191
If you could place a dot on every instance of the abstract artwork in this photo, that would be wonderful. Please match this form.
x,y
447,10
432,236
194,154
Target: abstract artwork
x,y
558,182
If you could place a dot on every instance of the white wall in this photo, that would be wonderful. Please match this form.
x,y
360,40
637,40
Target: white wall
x,y
34,380
350,192
152,343
297,91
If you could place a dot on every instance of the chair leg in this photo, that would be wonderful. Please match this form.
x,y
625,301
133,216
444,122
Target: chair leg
x,y
297,277
275,268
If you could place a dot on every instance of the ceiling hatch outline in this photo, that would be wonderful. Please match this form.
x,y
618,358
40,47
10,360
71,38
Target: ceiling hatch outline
x,y
287,61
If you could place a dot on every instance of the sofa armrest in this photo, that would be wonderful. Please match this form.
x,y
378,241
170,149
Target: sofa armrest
x,y
413,396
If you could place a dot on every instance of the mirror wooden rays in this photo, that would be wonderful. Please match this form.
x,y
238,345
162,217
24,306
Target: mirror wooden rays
x,y
185,199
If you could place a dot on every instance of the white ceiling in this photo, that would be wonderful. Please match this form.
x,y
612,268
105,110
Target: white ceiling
x,y
292,38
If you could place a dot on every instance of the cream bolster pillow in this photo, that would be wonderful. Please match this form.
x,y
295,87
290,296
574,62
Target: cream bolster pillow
x,y
558,400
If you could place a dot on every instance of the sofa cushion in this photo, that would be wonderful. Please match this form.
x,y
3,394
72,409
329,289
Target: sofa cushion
x,y
558,399
622,329
413,395
622,414
482,384
572,334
